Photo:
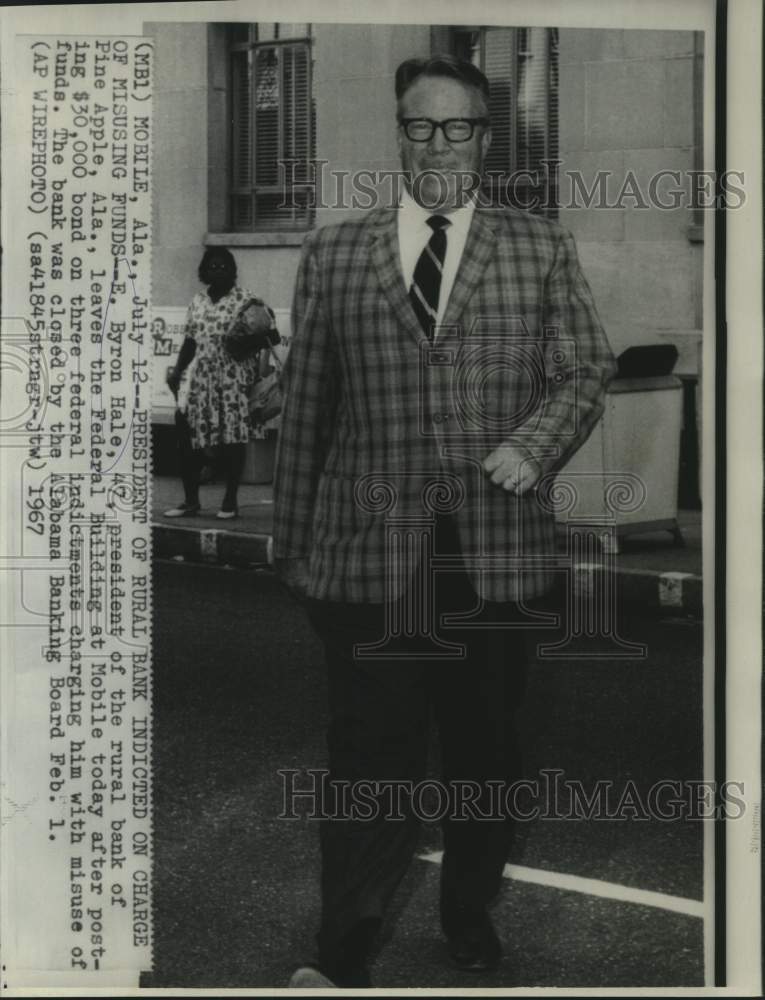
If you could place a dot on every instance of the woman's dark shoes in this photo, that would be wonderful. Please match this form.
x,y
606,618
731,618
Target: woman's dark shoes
x,y
471,939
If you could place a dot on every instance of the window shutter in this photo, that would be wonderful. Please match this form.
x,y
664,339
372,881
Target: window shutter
x,y
273,121
267,98
552,94
498,66
242,140
521,65
532,102
297,124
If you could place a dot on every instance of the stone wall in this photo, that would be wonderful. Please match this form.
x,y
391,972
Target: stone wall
x,y
627,104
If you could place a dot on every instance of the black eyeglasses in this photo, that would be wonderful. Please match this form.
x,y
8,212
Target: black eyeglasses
x,y
455,129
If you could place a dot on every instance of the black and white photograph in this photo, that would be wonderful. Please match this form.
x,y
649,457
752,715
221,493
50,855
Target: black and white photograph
x,y
382,534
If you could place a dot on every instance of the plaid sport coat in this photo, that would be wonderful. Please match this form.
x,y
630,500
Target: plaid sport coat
x,y
382,430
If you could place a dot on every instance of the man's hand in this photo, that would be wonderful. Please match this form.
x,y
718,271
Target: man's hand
x,y
294,575
512,468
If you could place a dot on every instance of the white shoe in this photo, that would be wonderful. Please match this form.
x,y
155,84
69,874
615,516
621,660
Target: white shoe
x,y
183,510
308,978
226,515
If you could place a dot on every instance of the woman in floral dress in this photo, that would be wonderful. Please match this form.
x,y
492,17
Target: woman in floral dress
x,y
215,409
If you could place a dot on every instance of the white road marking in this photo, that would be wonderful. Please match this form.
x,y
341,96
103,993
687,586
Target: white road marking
x,y
595,887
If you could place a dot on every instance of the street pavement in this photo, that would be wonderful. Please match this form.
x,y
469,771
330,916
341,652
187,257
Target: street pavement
x,y
239,695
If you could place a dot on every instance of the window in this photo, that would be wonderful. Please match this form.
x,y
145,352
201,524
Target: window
x,y
521,65
272,127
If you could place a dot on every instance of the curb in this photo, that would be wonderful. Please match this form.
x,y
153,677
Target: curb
x,y
668,594
210,545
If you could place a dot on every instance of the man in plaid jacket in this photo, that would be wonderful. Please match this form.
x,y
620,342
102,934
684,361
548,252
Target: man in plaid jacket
x,y
446,360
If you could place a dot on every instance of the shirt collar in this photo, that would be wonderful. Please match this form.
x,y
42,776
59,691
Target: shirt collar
x,y
415,215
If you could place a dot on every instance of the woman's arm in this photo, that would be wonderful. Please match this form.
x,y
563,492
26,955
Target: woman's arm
x,y
185,356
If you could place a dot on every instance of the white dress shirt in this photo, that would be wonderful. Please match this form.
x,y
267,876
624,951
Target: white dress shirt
x,y
414,234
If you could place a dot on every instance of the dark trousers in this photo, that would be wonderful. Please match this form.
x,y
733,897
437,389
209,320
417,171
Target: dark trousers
x,y
191,461
379,715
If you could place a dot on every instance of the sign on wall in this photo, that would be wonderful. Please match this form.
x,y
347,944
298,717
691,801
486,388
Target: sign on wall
x,y
167,331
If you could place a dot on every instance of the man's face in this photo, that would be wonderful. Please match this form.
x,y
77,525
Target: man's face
x,y
439,161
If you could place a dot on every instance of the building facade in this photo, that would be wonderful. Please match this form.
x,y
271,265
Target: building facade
x,y
618,111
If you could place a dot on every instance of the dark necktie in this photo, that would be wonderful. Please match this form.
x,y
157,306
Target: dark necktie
x,y
426,283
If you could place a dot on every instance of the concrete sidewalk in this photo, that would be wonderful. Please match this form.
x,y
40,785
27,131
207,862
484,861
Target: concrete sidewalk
x,y
653,573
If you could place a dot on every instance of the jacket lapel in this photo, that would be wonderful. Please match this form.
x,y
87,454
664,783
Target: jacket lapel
x,y
386,258
478,251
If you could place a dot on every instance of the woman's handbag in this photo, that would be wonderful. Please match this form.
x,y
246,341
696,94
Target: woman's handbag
x,y
251,331
266,396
